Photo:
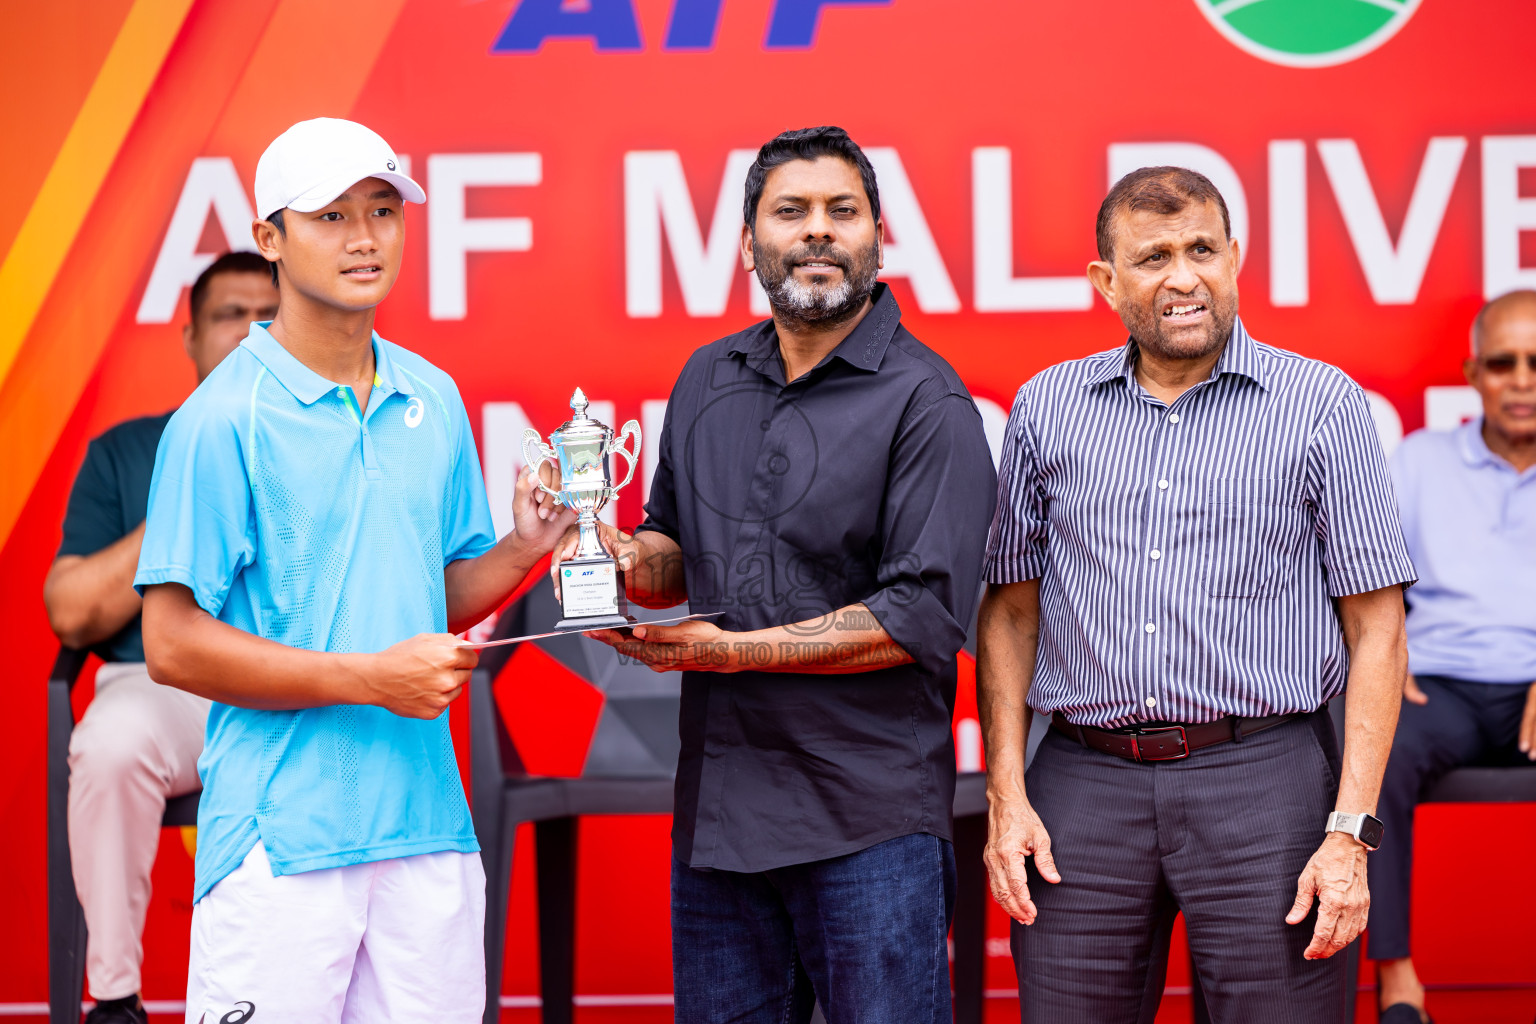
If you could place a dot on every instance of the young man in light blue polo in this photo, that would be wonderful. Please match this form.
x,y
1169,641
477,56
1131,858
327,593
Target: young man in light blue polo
x,y
317,525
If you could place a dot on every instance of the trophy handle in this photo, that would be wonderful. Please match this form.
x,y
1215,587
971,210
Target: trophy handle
x,y
631,454
535,454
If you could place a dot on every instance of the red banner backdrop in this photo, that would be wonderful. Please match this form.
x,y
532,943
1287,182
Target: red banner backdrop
x,y
584,161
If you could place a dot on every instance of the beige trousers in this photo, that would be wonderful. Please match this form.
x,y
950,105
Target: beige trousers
x,y
137,745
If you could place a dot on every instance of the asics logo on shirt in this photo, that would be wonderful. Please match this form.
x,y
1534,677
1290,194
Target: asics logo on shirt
x,y
413,412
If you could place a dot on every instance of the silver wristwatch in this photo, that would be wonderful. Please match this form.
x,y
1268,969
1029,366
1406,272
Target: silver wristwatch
x,y
1365,829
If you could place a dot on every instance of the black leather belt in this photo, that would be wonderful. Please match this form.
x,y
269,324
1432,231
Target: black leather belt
x,y
1165,742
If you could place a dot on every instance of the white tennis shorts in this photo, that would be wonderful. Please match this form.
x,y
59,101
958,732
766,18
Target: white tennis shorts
x,y
395,940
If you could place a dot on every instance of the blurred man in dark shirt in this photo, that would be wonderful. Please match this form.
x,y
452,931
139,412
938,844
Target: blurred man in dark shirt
x,y
139,742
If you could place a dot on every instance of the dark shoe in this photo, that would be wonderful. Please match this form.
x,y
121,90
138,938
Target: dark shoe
x,y
1403,1013
118,1011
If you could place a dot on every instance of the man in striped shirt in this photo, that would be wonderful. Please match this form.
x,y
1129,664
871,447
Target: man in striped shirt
x,y
1195,548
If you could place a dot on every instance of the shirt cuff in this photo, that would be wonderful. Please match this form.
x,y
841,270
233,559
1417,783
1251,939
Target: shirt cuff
x,y
1014,570
920,624
652,526
1362,579
206,599
474,549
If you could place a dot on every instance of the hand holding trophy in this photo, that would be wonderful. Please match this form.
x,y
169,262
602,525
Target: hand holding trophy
x,y
591,582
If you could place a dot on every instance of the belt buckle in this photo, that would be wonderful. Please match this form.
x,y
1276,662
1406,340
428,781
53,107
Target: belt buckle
x,y
1183,742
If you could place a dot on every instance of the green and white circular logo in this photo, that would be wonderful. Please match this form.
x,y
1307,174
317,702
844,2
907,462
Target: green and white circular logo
x,y
1308,33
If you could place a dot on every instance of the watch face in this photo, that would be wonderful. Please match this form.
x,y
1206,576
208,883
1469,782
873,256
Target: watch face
x,y
1370,830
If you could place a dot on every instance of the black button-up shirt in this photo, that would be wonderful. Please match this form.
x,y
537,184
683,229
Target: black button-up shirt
x,y
108,502
868,480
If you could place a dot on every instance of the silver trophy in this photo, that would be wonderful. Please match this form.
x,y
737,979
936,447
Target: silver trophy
x,y
591,582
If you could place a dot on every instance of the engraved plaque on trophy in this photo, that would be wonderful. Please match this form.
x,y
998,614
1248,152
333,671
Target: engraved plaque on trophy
x,y
591,582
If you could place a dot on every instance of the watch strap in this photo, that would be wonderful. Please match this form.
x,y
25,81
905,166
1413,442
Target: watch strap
x,y
1351,825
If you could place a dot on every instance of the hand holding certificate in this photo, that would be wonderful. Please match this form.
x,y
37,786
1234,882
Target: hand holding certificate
x,y
558,631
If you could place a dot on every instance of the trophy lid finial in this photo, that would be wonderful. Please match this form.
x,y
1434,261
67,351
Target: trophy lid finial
x,y
579,404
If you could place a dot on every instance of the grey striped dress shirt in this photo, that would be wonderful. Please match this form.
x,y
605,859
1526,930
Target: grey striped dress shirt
x,y
1188,553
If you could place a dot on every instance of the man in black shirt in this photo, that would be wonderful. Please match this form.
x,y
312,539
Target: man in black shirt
x,y
138,742
824,483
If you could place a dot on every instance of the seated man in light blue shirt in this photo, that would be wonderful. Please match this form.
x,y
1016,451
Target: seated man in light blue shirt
x,y
1468,501
317,527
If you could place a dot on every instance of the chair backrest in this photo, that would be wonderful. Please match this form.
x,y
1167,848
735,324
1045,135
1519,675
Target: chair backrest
x,y
636,734
1484,785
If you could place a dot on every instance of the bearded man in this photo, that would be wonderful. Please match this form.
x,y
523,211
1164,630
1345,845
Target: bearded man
x,y
1196,548
825,485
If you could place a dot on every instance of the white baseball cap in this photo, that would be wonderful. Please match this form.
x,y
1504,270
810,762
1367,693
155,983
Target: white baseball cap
x,y
315,161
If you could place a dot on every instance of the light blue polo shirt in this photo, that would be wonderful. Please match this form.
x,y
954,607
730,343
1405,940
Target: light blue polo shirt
x,y
1470,522
291,516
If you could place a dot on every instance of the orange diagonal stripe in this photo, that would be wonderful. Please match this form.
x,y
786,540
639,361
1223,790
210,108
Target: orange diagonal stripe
x,y
236,76
81,166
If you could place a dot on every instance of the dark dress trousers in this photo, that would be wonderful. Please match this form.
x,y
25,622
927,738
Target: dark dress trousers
x,y
1470,521
1463,723
868,479
1188,557
1222,836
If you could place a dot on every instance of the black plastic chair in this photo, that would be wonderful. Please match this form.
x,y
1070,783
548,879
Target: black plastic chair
x,y
66,920
629,769
1476,784
968,930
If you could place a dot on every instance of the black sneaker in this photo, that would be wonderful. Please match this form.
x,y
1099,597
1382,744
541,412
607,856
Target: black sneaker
x,y
129,1010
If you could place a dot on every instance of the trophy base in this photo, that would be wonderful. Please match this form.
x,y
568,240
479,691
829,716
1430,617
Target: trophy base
x,y
586,622
592,594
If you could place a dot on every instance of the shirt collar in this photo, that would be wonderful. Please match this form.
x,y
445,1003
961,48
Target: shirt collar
x,y
863,349
1116,364
1474,450
386,374
1241,356
305,384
